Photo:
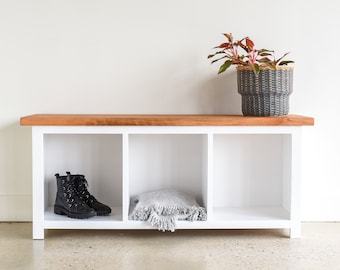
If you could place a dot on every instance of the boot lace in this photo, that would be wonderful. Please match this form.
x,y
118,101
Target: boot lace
x,y
71,194
81,186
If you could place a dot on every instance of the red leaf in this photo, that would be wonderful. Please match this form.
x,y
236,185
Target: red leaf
x,y
224,45
250,43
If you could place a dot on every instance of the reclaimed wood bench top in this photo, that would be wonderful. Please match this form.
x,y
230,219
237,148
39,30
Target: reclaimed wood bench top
x,y
162,120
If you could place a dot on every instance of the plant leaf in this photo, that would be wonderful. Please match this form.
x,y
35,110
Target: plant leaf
x,y
265,54
250,43
229,36
282,63
271,66
218,59
216,53
224,45
256,68
263,60
266,50
225,66
280,59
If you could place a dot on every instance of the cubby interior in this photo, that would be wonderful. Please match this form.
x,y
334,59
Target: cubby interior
x,y
97,156
158,161
251,176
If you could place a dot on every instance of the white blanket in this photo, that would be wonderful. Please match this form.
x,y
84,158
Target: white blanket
x,y
162,208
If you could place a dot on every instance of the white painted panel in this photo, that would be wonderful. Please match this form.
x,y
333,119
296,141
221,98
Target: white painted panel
x,y
247,170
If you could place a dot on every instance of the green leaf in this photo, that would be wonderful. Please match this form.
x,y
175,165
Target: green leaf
x,y
271,66
256,68
282,63
280,59
264,60
216,53
265,54
229,37
266,50
225,66
218,59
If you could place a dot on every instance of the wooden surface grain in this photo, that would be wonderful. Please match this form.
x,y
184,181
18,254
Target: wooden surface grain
x,y
162,120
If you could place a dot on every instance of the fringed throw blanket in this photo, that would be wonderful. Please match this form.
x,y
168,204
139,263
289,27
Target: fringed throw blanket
x,y
163,207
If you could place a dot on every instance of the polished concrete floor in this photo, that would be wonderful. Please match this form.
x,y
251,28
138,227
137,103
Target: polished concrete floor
x,y
319,248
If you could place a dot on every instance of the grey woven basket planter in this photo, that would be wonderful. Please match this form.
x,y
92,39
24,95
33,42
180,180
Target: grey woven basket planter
x,y
265,94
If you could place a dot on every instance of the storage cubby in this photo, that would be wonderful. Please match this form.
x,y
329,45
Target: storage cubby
x,y
159,161
249,182
98,157
244,170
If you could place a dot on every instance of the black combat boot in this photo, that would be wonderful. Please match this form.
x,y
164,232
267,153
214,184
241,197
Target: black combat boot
x,y
68,202
81,186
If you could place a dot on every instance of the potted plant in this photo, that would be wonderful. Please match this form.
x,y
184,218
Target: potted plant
x,y
264,82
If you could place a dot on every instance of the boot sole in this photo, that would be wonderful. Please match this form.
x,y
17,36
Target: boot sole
x,y
61,211
103,213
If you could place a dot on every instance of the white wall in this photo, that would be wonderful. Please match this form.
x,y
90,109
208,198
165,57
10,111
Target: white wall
x,y
125,56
